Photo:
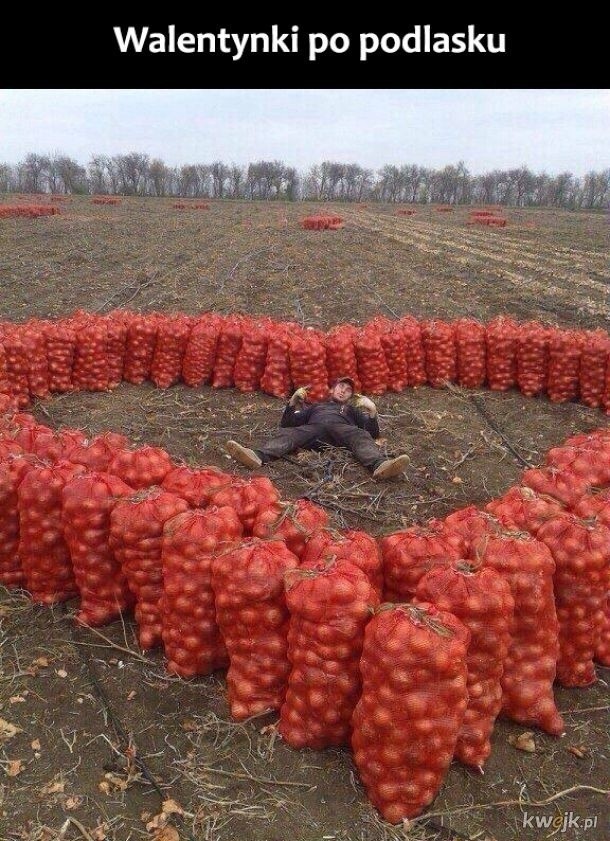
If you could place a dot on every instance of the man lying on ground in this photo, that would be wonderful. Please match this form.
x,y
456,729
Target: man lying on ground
x,y
334,421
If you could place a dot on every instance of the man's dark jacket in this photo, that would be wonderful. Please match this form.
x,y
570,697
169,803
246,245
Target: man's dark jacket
x,y
330,412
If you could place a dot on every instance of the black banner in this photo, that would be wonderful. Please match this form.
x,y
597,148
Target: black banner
x,y
313,48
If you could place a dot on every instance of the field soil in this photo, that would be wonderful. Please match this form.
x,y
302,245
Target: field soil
x,y
105,739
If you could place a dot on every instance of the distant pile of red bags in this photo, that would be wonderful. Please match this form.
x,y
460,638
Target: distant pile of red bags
x,y
29,211
486,217
407,648
96,353
323,222
180,205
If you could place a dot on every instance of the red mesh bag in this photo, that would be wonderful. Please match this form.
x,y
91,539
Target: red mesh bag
x,y
97,453
117,328
482,601
17,366
248,584
562,485
7,401
581,549
200,353
373,370
61,348
415,351
43,552
136,529
330,604
501,338
529,668
392,342
590,465
606,393
35,343
8,406
522,509
357,547
141,468
248,498
33,438
602,649
533,341
594,504
13,468
463,529
307,356
90,368
340,354
172,337
595,438
9,447
565,349
46,444
292,522
229,343
276,376
470,352
197,485
11,421
140,348
406,724
408,555
439,344
87,503
67,442
251,358
593,365
191,636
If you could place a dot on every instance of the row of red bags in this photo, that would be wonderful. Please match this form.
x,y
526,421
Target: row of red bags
x,y
30,211
96,353
481,610
322,222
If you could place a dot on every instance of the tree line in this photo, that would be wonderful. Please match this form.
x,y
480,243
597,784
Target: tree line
x,y
137,174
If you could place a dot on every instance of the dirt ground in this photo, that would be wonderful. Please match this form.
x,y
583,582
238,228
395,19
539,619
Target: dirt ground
x,y
88,706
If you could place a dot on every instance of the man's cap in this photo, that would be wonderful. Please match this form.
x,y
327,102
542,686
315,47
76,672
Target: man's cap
x,y
347,380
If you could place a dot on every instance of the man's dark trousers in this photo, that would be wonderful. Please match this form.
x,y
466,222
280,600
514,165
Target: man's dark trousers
x,y
358,441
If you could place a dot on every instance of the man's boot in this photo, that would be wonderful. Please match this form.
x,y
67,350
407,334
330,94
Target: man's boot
x,y
244,455
391,467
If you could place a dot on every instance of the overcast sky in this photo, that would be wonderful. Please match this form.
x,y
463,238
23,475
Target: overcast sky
x,y
554,130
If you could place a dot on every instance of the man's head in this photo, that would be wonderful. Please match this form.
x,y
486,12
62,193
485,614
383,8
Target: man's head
x,y
342,390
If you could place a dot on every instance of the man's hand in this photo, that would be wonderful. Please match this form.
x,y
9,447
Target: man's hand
x,y
299,396
366,404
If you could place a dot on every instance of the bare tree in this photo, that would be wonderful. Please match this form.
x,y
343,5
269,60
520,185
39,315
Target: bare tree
x,y
411,177
71,177
159,178
596,189
390,183
235,180
220,174
7,178
97,174
133,172
32,173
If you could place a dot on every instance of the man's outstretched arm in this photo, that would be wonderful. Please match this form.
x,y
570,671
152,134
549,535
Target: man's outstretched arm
x,y
365,415
296,413
365,421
